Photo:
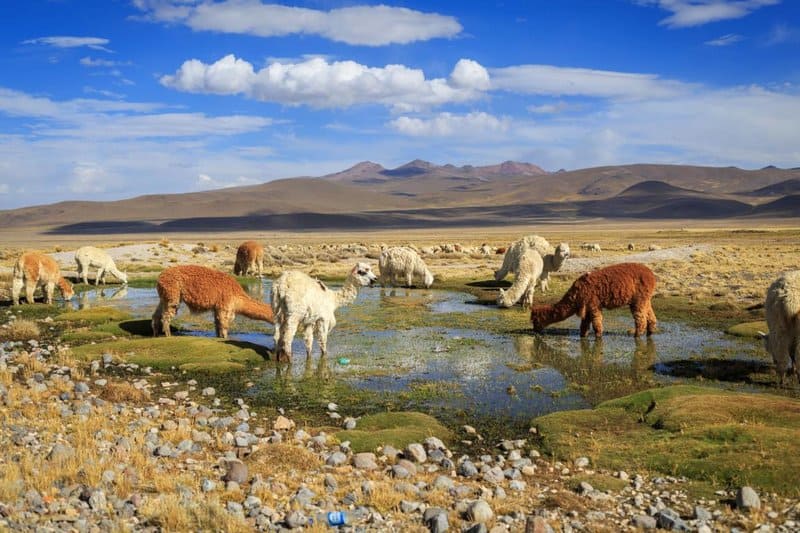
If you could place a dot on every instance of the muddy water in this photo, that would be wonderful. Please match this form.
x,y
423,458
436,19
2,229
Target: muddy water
x,y
440,351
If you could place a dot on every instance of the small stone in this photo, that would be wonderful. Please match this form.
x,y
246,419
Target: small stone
x,y
668,519
479,511
236,471
644,522
494,475
408,506
399,472
333,407
282,424
747,499
581,462
349,423
365,461
235,508
416,452
467,469
443,482
584,488
296,519
436,520
207,485
251,502
60,452
702,514
330,483
517,485
478,528
165,450
101,382
208,391
81,387
537,524
469,430
623,475
336,459
434,443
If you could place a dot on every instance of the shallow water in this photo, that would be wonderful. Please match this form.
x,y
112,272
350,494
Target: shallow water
x,y
387,347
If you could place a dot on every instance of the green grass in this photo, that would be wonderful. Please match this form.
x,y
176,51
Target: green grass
x,y
396,428
705,434
93,315
748,329
35,311
185,353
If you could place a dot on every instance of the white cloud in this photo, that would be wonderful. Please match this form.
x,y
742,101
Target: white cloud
x,y
95,62
205,182
687,13
356,25
725,40
95,43
318,83
550,109
451,125
88,178
567,81
781,33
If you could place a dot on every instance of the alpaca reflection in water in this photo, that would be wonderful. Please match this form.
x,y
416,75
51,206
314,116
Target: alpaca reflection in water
x,y
103,295
586,368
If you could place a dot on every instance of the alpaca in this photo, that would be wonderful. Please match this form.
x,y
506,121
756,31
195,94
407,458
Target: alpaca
x,y
302,301
33,269
204,289
783,320
249,258
629,284
553,258
528,271
405,264
89,256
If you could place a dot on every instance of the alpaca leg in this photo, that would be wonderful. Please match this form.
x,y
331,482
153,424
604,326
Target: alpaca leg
x,y
586,321
651,319
308,338
48,290
30,288
322,337
597,323
100,276
170,310
222,320
16,288
156,323
288,329
639,313
409,279
83,273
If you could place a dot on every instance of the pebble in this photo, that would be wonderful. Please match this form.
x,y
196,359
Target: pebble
x,y
436,519
644,522
581,462
416,452
208,391
668,519
747,499
282,424
467,469
207,485
296,519
365,461
336,459
479,511
236,472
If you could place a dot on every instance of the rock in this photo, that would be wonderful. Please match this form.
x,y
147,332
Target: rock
x,y
517,485
333,407
479,511
584,488
399,472
443,482
365,461
494,475
296,519
581,462
408,506
537,524
282,424
477,528
165,450
97,501
81,387
467,469
435,519
209,391
747,499
336,459
416,452
251,502
702,514
236,471
668,519
330,483
390,452
207,485
469,430
60,452
642,521
349,423
235,508
434,443
408,465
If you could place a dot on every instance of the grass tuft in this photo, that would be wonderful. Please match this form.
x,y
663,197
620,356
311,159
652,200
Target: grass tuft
x,y
396,428
20,330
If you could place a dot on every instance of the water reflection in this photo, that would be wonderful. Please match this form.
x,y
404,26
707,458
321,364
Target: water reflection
x,y
88,298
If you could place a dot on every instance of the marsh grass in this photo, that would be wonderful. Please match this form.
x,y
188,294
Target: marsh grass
x,y
20,330
396,428
93,315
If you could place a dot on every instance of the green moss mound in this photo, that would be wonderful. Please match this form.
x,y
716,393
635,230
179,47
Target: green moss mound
x,y
196,354
748,329
396,428
704,434
93,315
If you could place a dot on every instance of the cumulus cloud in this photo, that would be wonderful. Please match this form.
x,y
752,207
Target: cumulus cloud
x,y
725,40
95,43
687,13
557,81
451,125
319,83
356,25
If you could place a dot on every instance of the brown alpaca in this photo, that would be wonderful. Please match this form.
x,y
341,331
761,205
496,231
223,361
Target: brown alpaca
x,y
204,289
33,269
629,284
249,258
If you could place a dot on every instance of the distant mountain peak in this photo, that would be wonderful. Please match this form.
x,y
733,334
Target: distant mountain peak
x,y
365,166
418,163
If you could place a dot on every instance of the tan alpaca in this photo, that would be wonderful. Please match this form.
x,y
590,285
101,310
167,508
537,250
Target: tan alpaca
x,y
249,258
33,269
204,289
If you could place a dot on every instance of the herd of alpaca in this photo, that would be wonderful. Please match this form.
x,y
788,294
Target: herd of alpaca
x,y
300,301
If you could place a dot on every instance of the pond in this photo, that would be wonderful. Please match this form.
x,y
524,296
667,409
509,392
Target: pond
x,y
442,352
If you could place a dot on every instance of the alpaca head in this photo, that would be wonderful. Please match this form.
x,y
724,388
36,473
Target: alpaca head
x,y
428,278
124,278
497,275
562,250
66,289
363,274
538,317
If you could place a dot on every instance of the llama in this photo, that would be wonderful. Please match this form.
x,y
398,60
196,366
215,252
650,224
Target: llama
x,y
204,289
629,284
553,258
302,301
529,270
33,269
89,256
249,258
405,264
783,320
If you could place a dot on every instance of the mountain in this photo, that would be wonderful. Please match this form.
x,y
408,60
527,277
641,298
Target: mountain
x,y
420,193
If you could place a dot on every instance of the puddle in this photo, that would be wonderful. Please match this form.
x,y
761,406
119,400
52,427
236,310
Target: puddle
x,y
405,349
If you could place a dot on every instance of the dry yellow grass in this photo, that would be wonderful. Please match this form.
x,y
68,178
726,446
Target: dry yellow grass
x,y
122,391
20,330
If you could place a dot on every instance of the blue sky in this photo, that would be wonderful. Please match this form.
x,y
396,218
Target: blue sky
x,y
106,99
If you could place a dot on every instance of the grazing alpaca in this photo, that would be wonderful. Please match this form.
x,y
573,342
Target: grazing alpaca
x,y
204,289
630,284
528,271
405,264
33,269
783,320
553,257
302,301
89,256
249,258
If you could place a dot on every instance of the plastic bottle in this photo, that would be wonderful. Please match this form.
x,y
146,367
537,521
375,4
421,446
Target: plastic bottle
x,y
333,518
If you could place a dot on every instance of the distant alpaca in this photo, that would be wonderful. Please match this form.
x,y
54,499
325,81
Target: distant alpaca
x,y
404,264
783,320
528,271
629,284
249,258
553,258
33,269
302,301
89,256
204,289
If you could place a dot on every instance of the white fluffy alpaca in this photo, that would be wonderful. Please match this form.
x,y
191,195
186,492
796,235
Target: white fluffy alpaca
x,y
553,258
783,320
89,256
529,270
298,300
404,264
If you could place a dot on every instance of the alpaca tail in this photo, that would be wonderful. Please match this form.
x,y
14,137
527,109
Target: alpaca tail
x,y
256,310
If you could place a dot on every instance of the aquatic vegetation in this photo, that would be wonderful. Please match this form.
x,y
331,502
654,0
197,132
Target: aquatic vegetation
x,y
396,428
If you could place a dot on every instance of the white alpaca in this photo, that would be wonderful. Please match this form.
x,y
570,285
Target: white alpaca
x,y
783,320
298,300
89,256
590,246
529,270
33,269
553,257
404,264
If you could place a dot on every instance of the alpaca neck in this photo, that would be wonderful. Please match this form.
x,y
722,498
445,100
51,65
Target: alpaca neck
x,y
64,285
550,314
515,292
348,293
254,309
